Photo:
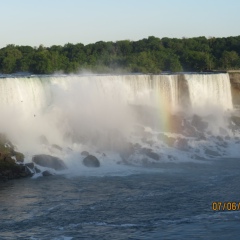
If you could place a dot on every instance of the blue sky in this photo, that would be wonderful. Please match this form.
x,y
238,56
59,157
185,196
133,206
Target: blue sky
x,y
57,22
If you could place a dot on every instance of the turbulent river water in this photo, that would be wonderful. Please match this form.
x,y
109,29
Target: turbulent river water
x,y
172,201
167,146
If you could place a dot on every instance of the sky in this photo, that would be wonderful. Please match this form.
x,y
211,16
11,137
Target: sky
x,y
57,22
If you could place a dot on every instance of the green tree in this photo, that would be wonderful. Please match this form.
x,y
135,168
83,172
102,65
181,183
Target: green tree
x,y
41,62
230,60
23,64
8,59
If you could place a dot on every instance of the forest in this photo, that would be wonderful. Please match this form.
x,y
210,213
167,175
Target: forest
x,y
148,55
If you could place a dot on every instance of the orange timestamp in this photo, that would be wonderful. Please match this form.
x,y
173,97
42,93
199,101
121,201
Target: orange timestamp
x,y
226,206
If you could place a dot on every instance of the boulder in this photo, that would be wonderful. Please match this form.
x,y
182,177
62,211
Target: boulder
x,y
30,165
126,150
37,170
178,126
153,155
182,144
223,131
43,140
46,174
201,137
91,161
167,140
189,130
212,153
9,169
19,156
85,153
198,123
55,146
49,161
137,146
147,135
149,152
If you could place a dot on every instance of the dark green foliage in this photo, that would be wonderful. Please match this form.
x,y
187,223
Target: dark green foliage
x,y
149,55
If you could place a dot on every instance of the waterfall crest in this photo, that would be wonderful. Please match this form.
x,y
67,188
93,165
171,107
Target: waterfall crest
x,y
36,93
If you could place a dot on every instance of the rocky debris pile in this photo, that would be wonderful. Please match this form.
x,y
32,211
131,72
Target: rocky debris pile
x,y
12,164
11,161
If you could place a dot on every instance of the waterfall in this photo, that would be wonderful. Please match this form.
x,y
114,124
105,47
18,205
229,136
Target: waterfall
x,y
25,94
62,104
36,93
106,112
166,86
209,90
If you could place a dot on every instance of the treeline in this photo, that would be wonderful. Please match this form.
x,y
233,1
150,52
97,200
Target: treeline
x,y
150,55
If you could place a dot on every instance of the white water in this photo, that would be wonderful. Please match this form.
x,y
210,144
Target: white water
x,y
211,90
79,103
69,109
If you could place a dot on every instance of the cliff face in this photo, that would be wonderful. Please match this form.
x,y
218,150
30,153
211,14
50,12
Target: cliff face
x,y
235,87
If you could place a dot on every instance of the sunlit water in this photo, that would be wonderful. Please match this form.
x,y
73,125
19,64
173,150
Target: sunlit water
x,y
173,201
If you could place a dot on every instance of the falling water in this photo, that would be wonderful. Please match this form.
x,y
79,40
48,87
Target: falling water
x,y
98,111
209,90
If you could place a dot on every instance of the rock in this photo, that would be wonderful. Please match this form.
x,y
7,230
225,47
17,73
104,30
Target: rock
x,y
46,174
235,120
197,157
49,161
219,138
223,131
153,155
30,165
223,144
189,130
19,157
212,153
126,150
91,161
85,153
147,141
201,137
9,169
178,125
137,146
149,152
57,147
167,140
171,158
182,144
227,138
198,123
37,170
235,87
43,140
26,172
147,135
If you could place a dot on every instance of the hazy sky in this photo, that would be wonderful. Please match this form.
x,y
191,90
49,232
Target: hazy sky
x,y
57,22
